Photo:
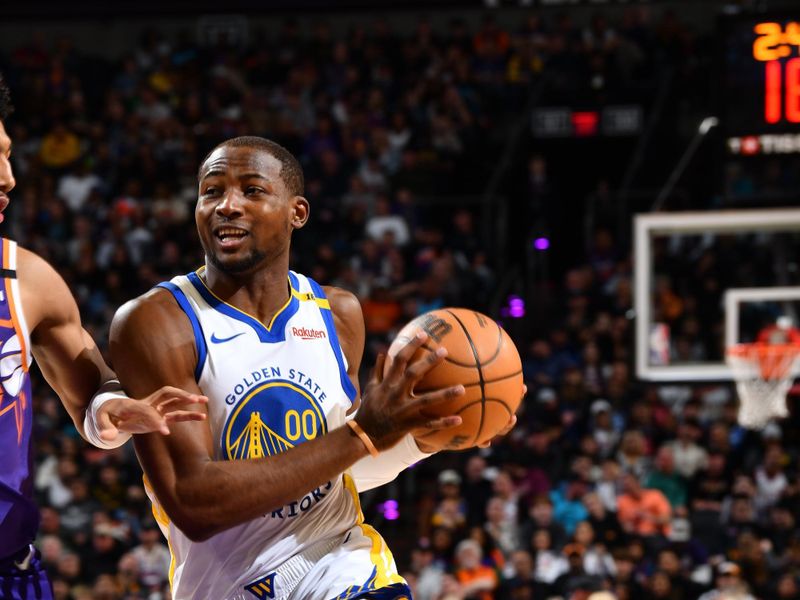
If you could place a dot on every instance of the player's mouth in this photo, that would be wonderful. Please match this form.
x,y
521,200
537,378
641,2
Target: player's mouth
x,y
230,238
3,204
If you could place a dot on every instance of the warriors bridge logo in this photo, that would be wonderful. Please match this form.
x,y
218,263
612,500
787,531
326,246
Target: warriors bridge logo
x,y
272,418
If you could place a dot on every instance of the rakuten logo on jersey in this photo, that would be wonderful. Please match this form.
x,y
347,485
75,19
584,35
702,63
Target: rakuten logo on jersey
x,y
308,334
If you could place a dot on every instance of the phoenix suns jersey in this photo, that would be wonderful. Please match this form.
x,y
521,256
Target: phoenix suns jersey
x,y
271,387
19,517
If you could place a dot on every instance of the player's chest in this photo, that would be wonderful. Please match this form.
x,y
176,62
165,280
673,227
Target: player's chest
x,y
267,398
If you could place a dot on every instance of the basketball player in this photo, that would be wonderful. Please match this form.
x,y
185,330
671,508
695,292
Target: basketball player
x,y
261,500
39,319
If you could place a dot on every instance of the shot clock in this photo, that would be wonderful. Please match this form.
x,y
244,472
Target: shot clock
x,y
761,100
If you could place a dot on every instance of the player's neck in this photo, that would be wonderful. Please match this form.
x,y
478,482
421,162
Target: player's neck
x,y
261,293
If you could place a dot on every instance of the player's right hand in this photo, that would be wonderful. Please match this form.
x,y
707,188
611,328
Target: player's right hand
x,y
152,413
389,407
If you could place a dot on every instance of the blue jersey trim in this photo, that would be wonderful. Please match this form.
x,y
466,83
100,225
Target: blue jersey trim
x,y
199,338
327,316
277,330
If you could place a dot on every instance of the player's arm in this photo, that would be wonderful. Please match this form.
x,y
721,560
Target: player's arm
x,y
152,345
73,365
371,471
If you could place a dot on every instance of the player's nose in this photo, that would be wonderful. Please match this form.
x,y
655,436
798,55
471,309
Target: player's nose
x,y
230,206
7,181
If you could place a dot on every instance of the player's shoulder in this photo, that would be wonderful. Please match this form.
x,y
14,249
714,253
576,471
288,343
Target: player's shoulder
x,y
344,304
45,294
154,312
34,268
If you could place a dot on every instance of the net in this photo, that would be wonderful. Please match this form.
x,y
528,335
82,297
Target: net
x,y
763,373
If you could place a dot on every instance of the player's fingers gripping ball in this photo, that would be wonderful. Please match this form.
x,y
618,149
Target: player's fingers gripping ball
x,y
482,358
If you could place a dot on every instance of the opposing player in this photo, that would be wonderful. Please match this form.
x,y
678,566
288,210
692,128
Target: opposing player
x,y
261,500
39,319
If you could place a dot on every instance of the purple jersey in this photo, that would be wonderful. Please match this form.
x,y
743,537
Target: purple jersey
x,y
19,517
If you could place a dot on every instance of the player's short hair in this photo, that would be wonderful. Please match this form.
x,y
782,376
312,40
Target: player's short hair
x,y
6,108
291,171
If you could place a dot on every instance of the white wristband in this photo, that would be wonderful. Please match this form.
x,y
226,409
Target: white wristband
x,y
90,426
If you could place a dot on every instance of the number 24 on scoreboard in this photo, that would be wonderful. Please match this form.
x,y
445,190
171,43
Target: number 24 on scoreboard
x,y
782,80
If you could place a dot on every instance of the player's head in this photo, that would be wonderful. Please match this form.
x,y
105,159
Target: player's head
x,y
250,199
6,175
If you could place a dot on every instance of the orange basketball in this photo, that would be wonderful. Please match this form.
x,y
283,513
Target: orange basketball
x,y
482,358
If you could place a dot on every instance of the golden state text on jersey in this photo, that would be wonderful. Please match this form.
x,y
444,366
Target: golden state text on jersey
x,y
274,416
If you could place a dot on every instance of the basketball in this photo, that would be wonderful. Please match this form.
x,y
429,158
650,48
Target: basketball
x,y
482,358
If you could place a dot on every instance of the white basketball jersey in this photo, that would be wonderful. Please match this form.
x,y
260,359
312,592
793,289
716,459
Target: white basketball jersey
x,y
269,388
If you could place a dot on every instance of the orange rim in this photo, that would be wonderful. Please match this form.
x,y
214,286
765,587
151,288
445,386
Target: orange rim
x,y
774,360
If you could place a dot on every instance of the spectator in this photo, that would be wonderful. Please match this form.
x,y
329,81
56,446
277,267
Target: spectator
x,y
596,559
688,455
477,489
60,148
500,529
521,578
641,511
603,522
575,573
152,557
430,576
75,187
605,432
104,551
727,582
550,563
770,479
632,455
664,479
477,581
568,510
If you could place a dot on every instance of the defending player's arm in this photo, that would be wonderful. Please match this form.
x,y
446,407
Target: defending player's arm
x,y
73,366
370,472
152,345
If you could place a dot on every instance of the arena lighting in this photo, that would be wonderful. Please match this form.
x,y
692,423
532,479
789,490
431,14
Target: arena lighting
x,y
516,307
541,243
390,510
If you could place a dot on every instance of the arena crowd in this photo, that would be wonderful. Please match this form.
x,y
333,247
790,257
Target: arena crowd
x,y
650,492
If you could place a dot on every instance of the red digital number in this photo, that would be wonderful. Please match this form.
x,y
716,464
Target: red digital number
x,y
776,105
793,90
772,98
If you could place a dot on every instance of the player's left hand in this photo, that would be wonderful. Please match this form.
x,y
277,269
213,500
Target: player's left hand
x,y
150,414
430,449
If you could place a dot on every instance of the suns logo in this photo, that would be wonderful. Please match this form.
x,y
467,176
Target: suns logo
x,y
12,375
12,379
270,419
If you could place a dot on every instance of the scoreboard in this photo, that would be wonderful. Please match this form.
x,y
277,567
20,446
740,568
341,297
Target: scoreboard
x,y
761,89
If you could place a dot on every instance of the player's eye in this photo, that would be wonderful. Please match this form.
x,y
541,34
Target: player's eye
x,y
252,189
211,191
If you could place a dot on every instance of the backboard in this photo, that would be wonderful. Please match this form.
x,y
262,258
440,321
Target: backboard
x,y
705,280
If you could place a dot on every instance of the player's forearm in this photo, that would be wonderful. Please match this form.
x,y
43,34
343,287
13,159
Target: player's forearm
x,y
73,366
222,494
371,472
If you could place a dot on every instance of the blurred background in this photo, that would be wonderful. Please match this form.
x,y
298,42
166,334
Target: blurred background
x,y
482,154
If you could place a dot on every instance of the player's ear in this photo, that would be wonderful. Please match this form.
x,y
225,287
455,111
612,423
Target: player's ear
x,y
300,211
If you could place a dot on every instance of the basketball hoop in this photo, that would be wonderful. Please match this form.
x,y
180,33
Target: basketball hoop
x,y
763,373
